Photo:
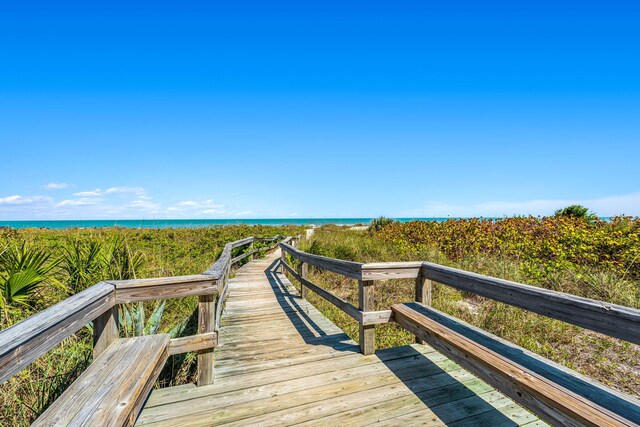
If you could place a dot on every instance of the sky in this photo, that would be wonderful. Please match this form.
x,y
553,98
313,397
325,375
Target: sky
x,y
318,109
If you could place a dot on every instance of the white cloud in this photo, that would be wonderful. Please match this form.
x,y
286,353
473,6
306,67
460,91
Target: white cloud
x,y
85,201
55,186
95,193
23,200
145,204
139,191
628,204
112,202
201,204
195,208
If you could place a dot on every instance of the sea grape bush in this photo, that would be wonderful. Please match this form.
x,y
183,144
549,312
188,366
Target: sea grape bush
x,y
542,246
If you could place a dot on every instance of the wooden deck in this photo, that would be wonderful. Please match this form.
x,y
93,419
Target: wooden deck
x,y
281,362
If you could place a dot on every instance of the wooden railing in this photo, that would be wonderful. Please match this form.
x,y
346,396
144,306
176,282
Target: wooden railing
x,y
609,319
26,341
550,390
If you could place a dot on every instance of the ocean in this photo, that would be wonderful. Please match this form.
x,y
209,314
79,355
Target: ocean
x,y
191,223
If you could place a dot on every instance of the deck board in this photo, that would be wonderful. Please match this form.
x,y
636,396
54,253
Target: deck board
x,y
281,362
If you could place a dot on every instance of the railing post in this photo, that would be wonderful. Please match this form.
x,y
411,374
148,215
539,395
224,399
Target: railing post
x,y
423,294
304,273
366,302
206,323
282,260
105,330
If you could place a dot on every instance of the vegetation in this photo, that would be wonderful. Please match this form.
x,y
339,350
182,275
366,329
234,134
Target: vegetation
x,y
592,258
40,267
22,270
570,252
379,223
576,211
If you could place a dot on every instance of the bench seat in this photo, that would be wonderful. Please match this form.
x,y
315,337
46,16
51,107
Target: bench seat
x,y
112,390
552,391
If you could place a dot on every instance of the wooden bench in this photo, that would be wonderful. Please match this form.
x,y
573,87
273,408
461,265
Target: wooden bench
x,y
548,389
112,390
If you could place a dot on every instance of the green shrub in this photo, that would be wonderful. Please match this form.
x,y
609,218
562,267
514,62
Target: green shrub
x,y
379,223
575,211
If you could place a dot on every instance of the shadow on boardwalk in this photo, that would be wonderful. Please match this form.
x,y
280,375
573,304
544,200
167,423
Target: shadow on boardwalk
x,y
309,330
447,398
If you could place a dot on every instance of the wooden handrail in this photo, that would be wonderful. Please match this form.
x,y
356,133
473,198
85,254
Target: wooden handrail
x,y
547,397
600,316
344,268
26,341
544,396
163,287
609,319
332,298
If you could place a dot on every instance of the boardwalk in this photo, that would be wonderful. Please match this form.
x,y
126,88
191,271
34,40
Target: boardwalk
x,y
281,362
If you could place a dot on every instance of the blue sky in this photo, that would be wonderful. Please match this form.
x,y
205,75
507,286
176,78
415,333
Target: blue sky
x,y
318,109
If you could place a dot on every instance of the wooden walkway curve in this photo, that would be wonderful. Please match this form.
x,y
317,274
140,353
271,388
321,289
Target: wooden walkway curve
x,y
281,362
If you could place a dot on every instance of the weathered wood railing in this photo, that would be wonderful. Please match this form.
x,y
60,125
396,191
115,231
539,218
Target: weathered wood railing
x,y
609,319
549,390
26,341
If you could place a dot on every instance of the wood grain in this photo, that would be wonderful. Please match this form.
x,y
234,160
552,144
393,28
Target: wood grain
x,y
537,393
332,298
376,317
391,270
423,294
304,273
112,390
345,268
366,302
164,287
206,324
193,343
610,319
26,341
105,330
616,401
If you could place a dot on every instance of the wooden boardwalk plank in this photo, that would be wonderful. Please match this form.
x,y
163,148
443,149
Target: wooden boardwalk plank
x,y
281,362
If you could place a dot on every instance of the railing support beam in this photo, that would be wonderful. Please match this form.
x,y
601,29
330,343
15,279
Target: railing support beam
x,y
423,295
206,324
366,302
105,330
304,273
283,258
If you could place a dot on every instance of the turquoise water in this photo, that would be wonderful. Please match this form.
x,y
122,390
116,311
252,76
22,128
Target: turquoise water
x,y
192,223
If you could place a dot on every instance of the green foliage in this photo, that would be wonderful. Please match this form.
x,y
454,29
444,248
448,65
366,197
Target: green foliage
x,y
82,263
86,262
120,261
541,246
133,320
22,270
379,223
575,211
